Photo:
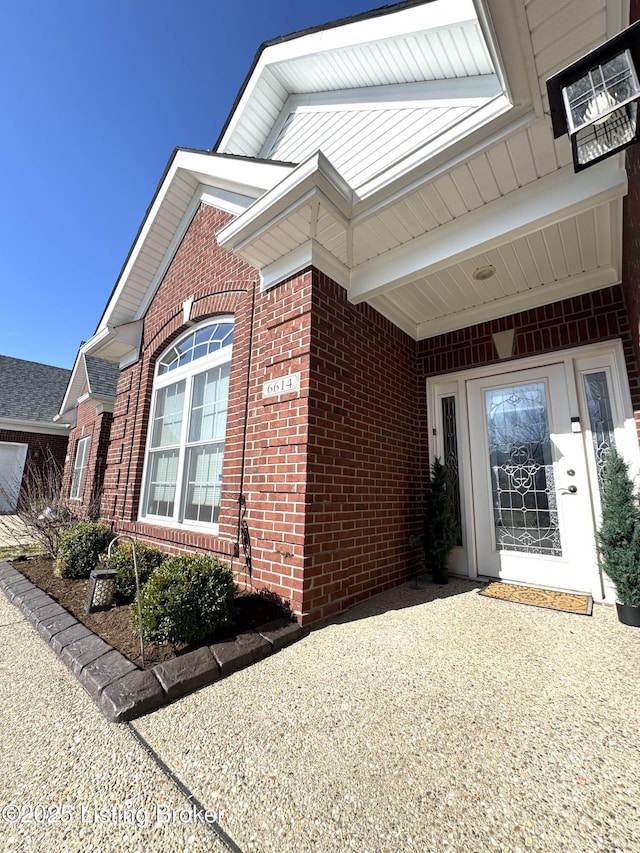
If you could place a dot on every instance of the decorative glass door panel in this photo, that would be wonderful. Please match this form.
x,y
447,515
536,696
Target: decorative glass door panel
x,y
525,511
600,418
531,501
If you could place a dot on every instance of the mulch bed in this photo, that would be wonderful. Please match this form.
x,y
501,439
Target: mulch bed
x,y
114,626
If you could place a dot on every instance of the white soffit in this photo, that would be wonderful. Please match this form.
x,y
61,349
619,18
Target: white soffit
x,y
434,42
365,140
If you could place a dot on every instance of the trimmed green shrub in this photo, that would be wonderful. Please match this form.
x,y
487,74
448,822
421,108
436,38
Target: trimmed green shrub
x,y
186,599
121,560
440,526
80,549
619,533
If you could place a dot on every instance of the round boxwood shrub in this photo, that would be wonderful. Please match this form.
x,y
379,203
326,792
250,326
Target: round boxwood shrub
x,y
121,560
80,549
186,599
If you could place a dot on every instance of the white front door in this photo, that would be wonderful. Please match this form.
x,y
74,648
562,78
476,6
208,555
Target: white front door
x,y
12,457
532,506
526,442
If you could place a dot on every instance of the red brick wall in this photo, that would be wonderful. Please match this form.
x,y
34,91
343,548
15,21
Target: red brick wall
x,y
98,428
333,474
586,319
41,447
366,454
274,451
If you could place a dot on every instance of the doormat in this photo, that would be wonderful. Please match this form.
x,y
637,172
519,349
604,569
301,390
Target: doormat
x,y
568,602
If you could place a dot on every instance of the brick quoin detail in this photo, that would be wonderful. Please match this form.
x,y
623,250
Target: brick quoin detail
x,y
98,428
275,446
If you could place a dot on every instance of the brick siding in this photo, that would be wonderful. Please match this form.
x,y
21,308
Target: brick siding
x,y
333,474
590,318
366,454
41,447
98,428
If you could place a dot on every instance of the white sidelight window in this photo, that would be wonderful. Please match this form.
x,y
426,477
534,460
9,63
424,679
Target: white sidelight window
x,y
185,447
80,468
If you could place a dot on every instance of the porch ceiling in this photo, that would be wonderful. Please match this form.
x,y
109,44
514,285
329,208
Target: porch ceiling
x,y
414,260
505,196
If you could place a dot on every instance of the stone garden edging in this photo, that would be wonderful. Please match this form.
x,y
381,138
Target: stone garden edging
x,y
120,689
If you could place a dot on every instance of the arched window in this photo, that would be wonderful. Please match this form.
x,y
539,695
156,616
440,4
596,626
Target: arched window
x,y
185,444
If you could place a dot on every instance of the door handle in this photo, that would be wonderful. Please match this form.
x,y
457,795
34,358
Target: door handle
x,y
572,489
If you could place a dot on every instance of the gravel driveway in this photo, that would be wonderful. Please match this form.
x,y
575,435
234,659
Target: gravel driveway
x,y
416,722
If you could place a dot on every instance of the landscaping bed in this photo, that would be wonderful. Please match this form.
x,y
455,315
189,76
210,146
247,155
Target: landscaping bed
x,y
114,625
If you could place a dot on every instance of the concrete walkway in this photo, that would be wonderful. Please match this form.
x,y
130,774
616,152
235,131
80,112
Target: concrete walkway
x,y
13,532
416,722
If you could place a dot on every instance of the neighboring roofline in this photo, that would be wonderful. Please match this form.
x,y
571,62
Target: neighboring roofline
x,y
23,425
339,22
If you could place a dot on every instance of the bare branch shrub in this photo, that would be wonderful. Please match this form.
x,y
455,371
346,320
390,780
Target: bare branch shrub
x,y
40,508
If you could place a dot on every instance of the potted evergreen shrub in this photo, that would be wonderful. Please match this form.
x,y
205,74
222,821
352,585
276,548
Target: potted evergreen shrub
x,y
619,537
440,527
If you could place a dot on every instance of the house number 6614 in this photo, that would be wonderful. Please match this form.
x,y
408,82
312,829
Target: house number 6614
x,y
281,385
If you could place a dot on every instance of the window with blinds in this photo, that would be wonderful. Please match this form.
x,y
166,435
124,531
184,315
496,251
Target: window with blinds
x,y
80,468
185,452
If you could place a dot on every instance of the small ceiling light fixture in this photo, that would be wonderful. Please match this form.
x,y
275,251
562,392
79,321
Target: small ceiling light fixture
x,y
595,100
483,273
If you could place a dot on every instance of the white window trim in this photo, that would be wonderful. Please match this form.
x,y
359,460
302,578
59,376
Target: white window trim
x,y
76,494
187,372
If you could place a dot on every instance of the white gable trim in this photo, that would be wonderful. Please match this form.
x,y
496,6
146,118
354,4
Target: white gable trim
x,y
233,182
309,254
314,175
428,16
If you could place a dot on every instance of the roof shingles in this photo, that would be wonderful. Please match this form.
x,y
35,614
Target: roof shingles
x,y
30,391
102,376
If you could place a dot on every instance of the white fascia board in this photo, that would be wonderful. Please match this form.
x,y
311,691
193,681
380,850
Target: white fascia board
x,y
534,298
315,174
53,427
115,342
398,318
243,177
236,174
434,15
224,200
67,418
77,381
548,200
507,36
414,179
307,255
96,399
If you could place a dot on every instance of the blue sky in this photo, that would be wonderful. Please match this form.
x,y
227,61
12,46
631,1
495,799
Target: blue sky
x,y
94,96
